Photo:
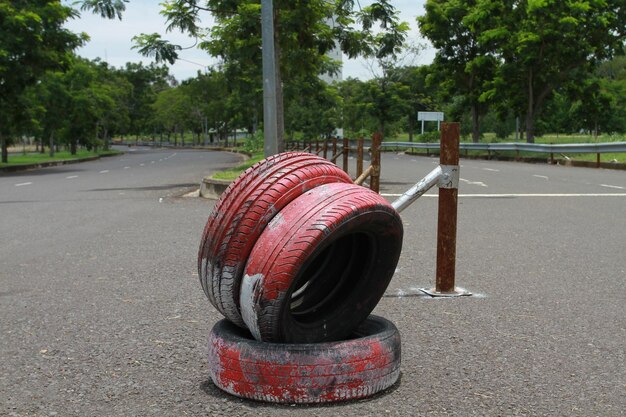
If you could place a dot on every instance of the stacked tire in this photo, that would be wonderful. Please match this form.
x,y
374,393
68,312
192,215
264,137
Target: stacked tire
x,y
296,257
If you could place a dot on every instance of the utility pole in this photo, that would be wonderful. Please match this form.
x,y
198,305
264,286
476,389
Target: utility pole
x,y
270,108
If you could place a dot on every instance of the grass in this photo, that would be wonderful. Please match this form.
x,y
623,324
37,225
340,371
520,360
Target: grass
x,y
231,174
38,158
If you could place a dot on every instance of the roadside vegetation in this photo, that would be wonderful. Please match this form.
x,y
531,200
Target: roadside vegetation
x,y
546,72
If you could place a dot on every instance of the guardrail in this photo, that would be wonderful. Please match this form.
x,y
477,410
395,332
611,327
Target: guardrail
x,y
605,147
597,148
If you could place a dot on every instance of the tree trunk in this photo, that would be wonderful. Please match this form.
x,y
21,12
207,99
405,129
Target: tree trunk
x,y
5,149
475,124
73,147
51,143
106,139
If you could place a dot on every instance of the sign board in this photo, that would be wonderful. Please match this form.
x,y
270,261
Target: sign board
x,y
430,116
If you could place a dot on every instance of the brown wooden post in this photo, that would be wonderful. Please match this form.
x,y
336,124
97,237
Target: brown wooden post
x,y
334,148
359,157
448,200
375,162
317,146
325,148
598,160
346,153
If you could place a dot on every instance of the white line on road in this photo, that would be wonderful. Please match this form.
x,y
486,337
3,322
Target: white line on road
x,y
612,186
142,165
541,176
104,171
71,176
521,195
23,183
126,167
482,184
491,169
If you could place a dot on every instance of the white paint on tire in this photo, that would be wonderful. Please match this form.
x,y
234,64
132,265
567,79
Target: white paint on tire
x,y
249,285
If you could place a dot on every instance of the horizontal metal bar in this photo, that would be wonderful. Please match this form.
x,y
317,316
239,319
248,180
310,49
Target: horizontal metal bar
x,y
413,193
606,147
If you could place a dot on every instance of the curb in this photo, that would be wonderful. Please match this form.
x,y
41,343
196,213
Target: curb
x,y
212,189
26,167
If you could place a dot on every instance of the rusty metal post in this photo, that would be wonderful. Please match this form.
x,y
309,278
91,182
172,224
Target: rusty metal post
x,y
346,153
447,217
359,157
375,162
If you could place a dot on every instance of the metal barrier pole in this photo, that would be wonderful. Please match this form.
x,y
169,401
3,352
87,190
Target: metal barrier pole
x,y
447,221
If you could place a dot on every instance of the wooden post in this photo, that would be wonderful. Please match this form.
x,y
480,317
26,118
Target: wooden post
x,y
346,153
359,157
598,160
375,162
446,225
325,148
334,148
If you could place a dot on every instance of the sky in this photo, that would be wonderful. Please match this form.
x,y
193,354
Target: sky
x,y
111,39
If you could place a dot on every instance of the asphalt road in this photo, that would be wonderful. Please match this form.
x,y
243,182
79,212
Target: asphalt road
x,y
102,313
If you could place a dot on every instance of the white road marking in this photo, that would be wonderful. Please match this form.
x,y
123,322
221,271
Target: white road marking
x,y
482,184
142,165
152,162
126,167
104,171
541,176
71,176
23,183
612,186
491,169
521,195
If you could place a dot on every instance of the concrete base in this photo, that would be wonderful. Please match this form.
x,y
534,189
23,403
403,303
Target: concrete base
x,y
210,188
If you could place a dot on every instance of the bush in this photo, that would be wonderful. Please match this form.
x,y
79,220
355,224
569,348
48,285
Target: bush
x,y
429,137
255,142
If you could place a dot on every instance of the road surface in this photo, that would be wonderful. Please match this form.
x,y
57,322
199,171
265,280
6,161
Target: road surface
x,y
102,313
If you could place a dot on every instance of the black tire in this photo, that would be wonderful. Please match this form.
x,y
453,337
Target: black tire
x,y
241,214
321,265
363,365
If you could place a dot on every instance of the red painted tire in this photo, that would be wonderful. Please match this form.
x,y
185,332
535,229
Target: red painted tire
x,y
365,364
321,265
242,213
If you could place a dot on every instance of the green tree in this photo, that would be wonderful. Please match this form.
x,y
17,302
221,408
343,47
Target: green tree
x,y
463,64
147,82
303,36
32,41
545,44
